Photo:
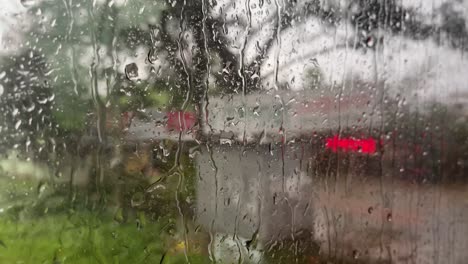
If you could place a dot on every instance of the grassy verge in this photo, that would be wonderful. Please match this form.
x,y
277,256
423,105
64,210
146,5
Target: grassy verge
x,y
87,237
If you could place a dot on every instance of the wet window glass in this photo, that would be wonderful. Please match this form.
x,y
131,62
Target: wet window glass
x,y
233,131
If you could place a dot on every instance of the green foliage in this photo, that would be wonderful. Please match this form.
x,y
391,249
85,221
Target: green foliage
x,y
70,113
141,96
82,43
39,225
84,237
81,48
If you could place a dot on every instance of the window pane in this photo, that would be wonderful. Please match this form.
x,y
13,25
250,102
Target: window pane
x,y
248,131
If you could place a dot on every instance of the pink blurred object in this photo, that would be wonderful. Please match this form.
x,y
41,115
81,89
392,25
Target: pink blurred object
x,y
180,120
351,144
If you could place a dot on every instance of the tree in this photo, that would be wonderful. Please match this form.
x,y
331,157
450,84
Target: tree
x,y
195,48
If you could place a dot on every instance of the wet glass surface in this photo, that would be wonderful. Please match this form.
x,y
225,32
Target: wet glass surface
x,y
251,131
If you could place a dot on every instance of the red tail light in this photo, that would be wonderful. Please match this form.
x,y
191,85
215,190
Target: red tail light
x,y
367,145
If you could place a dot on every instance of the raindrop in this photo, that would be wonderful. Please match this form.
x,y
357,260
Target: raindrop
x,y
51,97
370,42
28,143
1,89
370,210
256,110
131,71
2,75
137,199
18,124
155,187
152,56
42,188
29,107
28,3
224,141
194,151
42,101
389,217
15,112
254,76
166,152
157,72
355,254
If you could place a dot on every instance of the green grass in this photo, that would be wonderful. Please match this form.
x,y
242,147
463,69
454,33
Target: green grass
x,y
85,237
46,222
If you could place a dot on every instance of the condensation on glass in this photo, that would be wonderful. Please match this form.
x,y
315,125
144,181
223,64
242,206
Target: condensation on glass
x,y
249,131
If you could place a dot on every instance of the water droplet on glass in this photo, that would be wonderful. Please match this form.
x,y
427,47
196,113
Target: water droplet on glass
x,y
15,112
18,124
225,141
51,97
355,254
28,3
194,151
166,152
28,144
29,107
370,210
370,42
137,199
152,56
131,71
389,217
156,187
42,100
42,188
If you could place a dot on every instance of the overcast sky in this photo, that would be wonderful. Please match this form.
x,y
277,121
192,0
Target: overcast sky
x,y
408,66
9,23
